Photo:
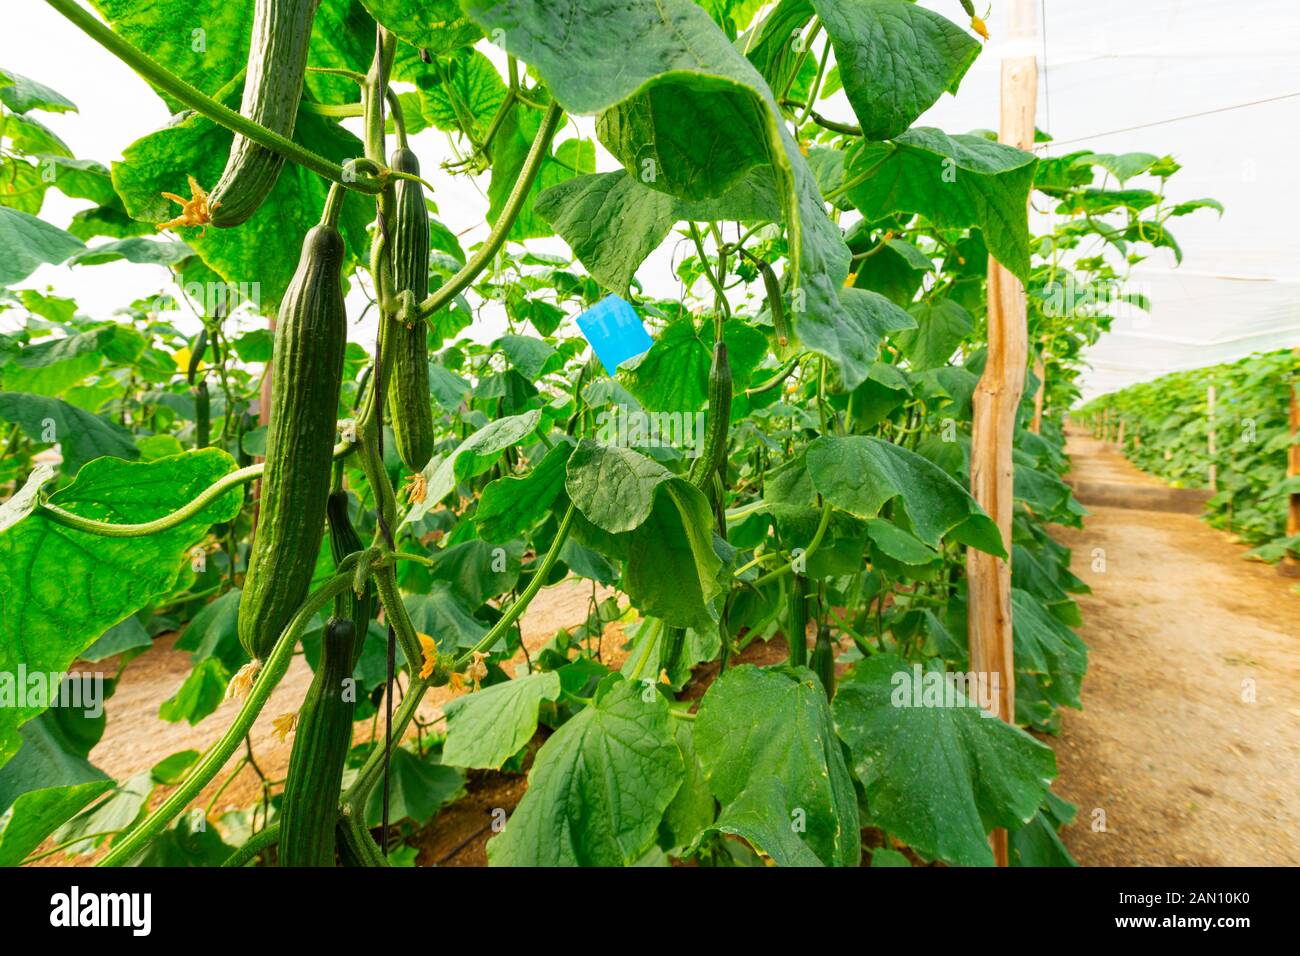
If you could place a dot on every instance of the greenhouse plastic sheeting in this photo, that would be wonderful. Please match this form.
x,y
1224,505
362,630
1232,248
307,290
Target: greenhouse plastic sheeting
x,y
1108,65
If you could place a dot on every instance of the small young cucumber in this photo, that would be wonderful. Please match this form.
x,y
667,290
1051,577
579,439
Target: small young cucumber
x,y
309,809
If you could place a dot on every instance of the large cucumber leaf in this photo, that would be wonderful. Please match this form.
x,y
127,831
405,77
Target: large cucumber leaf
x,y
63,588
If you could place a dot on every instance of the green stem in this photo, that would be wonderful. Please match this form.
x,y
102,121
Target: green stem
x,y
354,799
258,842
517,608
273,669
816,541
108,529
458,283
168,82
390,597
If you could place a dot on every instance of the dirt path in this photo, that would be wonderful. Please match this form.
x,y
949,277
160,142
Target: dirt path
x,y
1189,741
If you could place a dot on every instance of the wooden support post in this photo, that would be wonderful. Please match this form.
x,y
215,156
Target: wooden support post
x,y
1119,440
1290,566
996,400
1211,443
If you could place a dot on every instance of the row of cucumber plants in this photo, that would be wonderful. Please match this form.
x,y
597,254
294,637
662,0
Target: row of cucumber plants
x,y
787,462
1166,431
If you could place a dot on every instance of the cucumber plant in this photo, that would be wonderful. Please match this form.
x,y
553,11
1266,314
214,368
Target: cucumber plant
x,y
789,453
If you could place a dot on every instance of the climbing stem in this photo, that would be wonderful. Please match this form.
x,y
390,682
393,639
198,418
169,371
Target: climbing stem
x,y
208,495
273,669
200,102
457,284
512,613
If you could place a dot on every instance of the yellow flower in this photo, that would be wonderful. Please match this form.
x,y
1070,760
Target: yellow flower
x,y
430,650
477,669
242,682
978,26
663,676
285,724
416,488
195,211
848,283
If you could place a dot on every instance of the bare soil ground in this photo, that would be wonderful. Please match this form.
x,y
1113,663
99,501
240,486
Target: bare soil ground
x,y
1188,746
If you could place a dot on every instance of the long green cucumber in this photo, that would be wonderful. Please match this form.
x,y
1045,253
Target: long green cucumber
x,y
344,540
277,65
310,808
714,453
306,373
822,662
797,633
408,388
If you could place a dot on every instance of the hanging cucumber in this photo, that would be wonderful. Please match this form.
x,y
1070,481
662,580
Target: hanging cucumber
x,y
309,810
674,641
306,373
797,636
408,388
714,453
344,540
822,662
277,64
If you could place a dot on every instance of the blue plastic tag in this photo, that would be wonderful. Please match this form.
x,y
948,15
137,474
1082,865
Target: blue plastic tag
x,y
615,331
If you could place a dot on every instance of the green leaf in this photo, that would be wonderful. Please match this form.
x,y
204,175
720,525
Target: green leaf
x,y
441,615
134,249
488,727
672,567
510,506
765,741
172,769
80,436
613,487
510,149
63,588
418,788
1047,648
686,113
262,253
26,498
955,182
27,242
940,328
38,813
938,774
31,136
692,810
201,693
530,355
122,638
213,632
610,221
896,58
438,26
23,95
859,474
118,811
475,570
599,786
476,85
475,455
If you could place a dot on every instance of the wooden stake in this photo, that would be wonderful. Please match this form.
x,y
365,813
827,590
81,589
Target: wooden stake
x,y
996,399
1211,439
1040,373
